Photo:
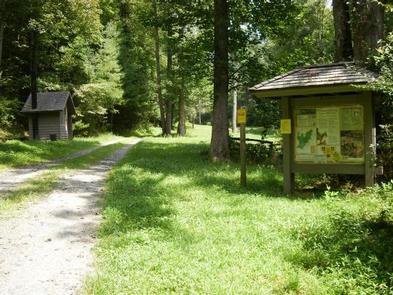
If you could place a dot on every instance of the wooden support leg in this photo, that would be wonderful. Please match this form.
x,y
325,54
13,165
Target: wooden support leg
x,y
369,140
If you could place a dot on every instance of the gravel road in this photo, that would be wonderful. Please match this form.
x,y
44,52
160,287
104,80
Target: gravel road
x,y
11,179
46,249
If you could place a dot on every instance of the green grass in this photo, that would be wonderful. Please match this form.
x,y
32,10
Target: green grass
x,y
174,223
42,186
15,153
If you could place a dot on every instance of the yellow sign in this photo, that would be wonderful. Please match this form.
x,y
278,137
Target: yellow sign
x,y
241,116
286,127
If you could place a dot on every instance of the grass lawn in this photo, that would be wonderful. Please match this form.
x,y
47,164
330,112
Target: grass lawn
x,y
176,223
14,153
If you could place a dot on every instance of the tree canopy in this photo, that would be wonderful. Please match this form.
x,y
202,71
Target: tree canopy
x,y
134,62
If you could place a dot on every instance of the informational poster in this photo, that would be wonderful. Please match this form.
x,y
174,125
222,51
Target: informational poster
x,y
305,138
329,135
352,146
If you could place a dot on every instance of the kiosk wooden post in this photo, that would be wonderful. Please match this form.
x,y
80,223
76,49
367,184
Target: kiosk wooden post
x,y
370,142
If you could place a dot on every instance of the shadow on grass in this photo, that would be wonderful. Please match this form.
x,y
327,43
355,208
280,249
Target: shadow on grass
x,y
173,159
142,188
134,204
191,160
357,248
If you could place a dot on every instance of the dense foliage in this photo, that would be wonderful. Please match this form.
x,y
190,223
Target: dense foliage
x,y
103,52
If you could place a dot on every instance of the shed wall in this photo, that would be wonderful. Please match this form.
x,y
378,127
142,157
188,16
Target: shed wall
x,y
30,128
48,123
63,121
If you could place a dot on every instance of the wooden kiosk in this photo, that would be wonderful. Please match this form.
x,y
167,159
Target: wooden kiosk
x,y
327,122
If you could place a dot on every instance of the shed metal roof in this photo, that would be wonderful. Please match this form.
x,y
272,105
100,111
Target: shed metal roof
x,y
309,79
49,102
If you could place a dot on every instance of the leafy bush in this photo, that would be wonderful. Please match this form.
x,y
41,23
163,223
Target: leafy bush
x,y
385,151
383,62
8,109
260,153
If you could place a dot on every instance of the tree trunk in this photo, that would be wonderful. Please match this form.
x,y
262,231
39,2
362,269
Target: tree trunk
x,y
2,26
199,112
367,27
181,127
168,118
168,102
234,111
158,71
34,68
219,148
34,78
173,114
343,37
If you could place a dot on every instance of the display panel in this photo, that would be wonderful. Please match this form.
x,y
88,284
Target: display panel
x,y
329,134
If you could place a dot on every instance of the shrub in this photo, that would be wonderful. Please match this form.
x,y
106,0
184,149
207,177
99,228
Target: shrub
x,y
260,153
8,109
385,151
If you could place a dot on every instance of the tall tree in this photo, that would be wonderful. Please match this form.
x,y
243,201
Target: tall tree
x,y
2,26
3,16
158,67
359,26
34,59
181,126
343,39
169,98
219,148
367,26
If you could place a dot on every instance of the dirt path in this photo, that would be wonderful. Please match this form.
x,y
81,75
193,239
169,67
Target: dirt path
x,y
13,178
46,250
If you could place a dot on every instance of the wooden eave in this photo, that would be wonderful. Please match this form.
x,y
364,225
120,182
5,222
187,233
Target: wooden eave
x,y
306,91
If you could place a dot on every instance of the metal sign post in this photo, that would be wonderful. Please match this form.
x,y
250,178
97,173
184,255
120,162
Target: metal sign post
x,y
241,120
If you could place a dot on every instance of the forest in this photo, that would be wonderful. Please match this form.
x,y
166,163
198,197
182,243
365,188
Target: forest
x,y
133,63
130,64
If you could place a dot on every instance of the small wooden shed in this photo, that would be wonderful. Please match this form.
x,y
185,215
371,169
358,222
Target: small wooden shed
x,y
50,117
327,120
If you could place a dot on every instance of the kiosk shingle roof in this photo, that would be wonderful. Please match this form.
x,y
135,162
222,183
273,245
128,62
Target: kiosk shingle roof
x,y
318,75
47,102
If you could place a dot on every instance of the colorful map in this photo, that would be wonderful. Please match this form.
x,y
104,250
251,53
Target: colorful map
x,y
304,138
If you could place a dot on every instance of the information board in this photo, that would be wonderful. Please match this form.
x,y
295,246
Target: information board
x,y
329,134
